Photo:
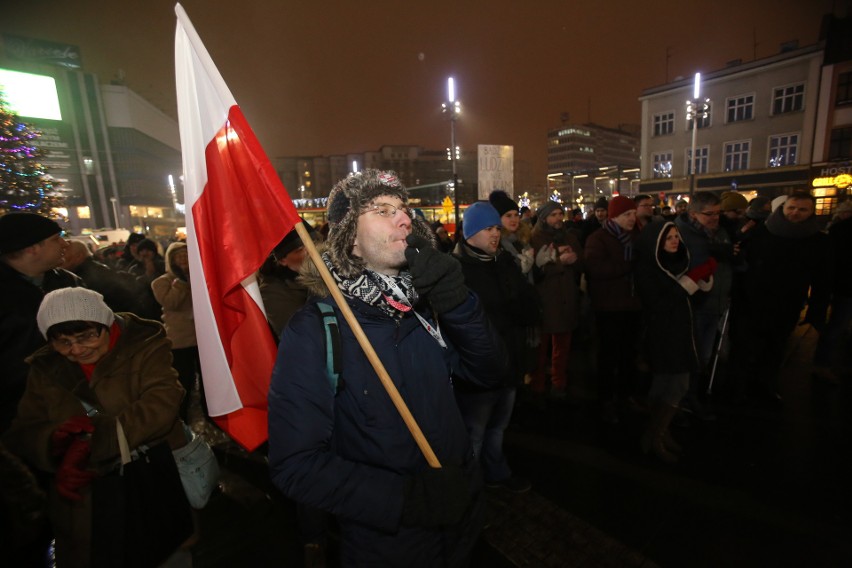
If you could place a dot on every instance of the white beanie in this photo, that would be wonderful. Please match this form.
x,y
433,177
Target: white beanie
x,y
72,304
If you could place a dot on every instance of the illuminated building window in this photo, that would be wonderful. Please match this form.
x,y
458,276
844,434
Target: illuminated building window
x,y
88,166
844,89
663,165
143,211
84,212
736,155
664,123
740,108
840,147
702,156
782,150
788,99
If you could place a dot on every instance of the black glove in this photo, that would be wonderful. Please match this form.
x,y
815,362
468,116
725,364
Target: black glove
x,y
435,497
435,275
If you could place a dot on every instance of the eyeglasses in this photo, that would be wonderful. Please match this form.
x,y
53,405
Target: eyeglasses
x,y
387,210
710,213
86,339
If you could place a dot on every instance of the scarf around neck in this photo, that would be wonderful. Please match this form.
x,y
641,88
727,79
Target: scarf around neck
x,y
778,225
623,237
393,295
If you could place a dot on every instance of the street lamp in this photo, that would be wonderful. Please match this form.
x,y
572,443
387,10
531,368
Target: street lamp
x,y
695,109
452,109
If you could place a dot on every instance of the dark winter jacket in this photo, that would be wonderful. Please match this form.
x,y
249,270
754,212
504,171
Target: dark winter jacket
x,y
782,269
664,288
557,284
508,299
609,275
840,234
134,382
701,247
120,291
19,334
282,295
350,453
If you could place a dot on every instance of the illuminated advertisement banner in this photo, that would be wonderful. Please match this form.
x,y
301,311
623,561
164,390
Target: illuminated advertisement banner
x,y
40,51
30,95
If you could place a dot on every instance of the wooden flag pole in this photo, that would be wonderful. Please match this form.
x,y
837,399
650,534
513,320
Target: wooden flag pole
x,y
365,344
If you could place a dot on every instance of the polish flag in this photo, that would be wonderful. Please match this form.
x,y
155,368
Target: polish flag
x,y
237,210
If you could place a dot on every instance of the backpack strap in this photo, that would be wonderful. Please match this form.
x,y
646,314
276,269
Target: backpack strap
x,y
332,346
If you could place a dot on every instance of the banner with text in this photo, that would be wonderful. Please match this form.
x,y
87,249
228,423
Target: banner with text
x,y
496,169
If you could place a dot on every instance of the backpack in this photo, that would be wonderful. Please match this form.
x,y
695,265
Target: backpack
x,y
331,339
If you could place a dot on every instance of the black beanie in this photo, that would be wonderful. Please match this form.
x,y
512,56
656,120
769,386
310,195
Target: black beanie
x,y
20,230
502,202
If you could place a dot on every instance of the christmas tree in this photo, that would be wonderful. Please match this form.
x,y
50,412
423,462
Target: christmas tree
x,y
24,182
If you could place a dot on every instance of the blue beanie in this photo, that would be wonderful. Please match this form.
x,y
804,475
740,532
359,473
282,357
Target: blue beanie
x,y
478,216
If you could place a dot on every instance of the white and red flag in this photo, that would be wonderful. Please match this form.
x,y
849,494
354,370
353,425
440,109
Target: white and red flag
x,y
237,210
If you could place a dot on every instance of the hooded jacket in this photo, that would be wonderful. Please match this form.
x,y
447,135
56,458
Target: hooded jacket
x,y
349,452
173,293
664,288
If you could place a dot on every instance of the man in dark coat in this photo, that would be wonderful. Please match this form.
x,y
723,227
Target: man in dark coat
x,y
341,445
787,257
31,251
121,295
512,306
704,237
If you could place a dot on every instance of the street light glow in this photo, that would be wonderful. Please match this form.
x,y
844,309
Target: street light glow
x,y
451,90
697,90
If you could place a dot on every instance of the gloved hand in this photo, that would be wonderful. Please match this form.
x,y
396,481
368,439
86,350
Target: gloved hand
x,y
72,475
61,438
703,271
436,497
527,260
545,255
436,276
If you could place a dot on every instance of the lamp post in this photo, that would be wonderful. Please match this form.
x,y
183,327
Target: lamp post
x,y
114,202
695,109
452,108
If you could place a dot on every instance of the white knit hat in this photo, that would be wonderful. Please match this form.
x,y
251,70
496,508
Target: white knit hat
x,y
72,304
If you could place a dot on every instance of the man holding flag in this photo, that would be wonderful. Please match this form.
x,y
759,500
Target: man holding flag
x,y
340,445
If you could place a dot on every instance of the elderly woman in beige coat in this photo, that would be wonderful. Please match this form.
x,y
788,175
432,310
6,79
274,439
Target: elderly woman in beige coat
x,y
174,294
119,365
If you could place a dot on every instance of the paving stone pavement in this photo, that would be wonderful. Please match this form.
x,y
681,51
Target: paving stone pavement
x,y
531,531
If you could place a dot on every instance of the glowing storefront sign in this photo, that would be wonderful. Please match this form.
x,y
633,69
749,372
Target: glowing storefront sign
x,y
841,181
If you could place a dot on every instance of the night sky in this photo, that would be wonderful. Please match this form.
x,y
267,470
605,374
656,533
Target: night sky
x,y
320,77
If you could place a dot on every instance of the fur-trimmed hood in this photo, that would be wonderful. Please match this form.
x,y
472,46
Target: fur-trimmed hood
x,y
346,201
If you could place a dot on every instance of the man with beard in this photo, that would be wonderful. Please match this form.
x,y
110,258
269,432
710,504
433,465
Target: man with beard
x,y
787,257
340,445
559,261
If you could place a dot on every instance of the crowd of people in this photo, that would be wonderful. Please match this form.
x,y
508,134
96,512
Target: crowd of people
x,y
461,326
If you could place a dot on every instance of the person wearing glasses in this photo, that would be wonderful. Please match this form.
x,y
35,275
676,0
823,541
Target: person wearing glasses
x,y
98,367
705,239
341,445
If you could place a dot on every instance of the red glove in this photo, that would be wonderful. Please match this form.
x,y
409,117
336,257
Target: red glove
x,y
61,438
72,475
703,271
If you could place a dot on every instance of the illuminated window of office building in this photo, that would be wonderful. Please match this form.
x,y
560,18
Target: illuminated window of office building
x,y
84,212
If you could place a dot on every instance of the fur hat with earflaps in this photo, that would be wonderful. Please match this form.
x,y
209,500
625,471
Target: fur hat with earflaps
x,y
347,199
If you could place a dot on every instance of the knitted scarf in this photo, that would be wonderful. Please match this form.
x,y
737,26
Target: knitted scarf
x,y
379,290
778,225
623,237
